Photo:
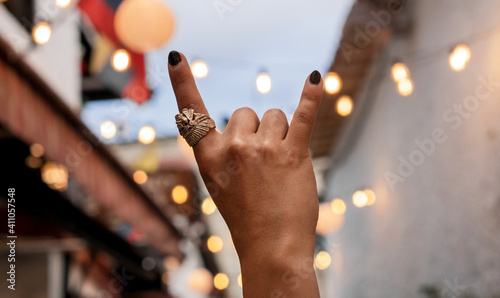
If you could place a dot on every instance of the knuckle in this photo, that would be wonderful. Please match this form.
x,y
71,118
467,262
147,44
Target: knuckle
x,y
290,157
304,118
243,110
237,147
265,148
275,113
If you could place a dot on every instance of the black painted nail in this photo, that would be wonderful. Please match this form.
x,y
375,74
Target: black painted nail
x,y
315,77
174,58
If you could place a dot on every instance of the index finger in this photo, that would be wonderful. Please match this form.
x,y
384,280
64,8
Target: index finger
x,y
182,80
304,117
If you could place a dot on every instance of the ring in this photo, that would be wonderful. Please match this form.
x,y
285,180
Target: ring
x,y
193,126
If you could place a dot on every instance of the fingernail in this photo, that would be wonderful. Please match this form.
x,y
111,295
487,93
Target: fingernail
x,y
315,77
174,58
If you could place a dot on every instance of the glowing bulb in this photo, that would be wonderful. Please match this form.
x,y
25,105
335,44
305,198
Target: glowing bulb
x,y
240,281
371,197
338,206
63,3
180,194
263,83
405,87
33,162
328,222
215,244
399,72
221,281
55,175
322,260
200,280
344,105
208,206
120,60
199,69
140,177
171,263
41,33
108,129
36,150
459,57
147,134
333,83
360,199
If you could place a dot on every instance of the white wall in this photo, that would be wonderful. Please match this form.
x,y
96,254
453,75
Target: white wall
x,y
441,225
58,61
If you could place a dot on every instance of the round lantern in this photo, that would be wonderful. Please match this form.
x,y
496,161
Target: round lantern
x,y
143,25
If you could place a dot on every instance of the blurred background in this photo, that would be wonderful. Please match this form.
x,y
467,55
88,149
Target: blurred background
x,y
101,198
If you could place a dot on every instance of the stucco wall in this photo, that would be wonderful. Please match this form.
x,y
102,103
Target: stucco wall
x,y
58,61
441,225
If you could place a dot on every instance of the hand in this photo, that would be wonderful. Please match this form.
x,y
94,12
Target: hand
x,y
260,176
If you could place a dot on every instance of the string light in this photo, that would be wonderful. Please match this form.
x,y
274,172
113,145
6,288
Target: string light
x,y
370,194
344,105
208,206
147,134
328,221
221,281
62,3
33,162
140,177
359,199
200,280
55,175
240,280
41,33
323,260
399,72
333,83
180,194
215,244
263,83
120,60
405,87
459,57
108,129
199,69
36,150
338,206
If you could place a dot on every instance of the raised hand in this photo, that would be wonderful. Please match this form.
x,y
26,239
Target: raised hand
x,y
260,175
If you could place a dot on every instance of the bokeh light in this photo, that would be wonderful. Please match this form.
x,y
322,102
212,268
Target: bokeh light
x,y
263,83
215,244
333,83
62,3
199,69
208,206
120,60
359,199
338,206
405,87
459,57
240,280
147,134
108,129
221,281
55,175
140,177
180,194
41,33
344,105
370,194
328,222
200,280
36,150
323,260
399,72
